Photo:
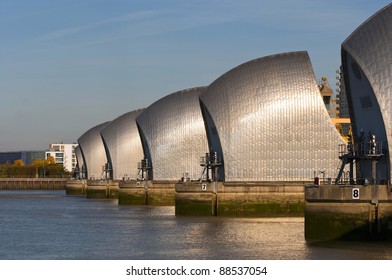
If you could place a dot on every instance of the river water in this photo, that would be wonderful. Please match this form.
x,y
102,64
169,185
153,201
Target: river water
x,y
37,225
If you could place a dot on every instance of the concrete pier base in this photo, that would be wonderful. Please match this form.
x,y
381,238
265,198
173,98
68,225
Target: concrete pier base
x,y
239,200
76,187
102,189
146,193
348,213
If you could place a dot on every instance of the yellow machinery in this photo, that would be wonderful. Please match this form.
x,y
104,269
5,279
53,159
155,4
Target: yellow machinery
x,y
326,93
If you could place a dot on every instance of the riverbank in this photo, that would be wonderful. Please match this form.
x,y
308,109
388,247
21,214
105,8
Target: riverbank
x,y
33,183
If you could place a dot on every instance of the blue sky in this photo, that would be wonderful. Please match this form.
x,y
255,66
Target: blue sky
x,y
68,65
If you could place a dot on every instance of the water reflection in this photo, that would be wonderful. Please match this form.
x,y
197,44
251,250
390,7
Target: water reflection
x,y
50,225
341,250
234,238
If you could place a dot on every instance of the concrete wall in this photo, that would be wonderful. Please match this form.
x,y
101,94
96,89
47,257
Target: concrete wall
x,y
102,189
242,200
157,193
33,183
76,187
348,213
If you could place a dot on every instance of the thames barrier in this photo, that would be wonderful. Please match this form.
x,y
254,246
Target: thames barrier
x,y
259,141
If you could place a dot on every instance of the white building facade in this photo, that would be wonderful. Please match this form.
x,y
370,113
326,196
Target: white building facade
x,y
63,154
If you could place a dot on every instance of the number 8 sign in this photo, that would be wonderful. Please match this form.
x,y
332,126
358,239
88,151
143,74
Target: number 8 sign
x,y
355,193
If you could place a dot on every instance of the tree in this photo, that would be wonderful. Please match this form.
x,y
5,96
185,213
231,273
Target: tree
x,y
19,163
39,167
17,169
37,163
50,161
4,169
54,170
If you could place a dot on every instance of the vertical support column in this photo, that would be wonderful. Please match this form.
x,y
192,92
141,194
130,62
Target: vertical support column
x,y
375,223
351,172
374,181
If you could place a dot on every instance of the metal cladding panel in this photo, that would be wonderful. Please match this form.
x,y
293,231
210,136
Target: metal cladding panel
x,y
367,64
272,122
93,150
124,146
174,131
79,157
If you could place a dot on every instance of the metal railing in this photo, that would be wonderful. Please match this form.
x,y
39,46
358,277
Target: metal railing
x,y
362,149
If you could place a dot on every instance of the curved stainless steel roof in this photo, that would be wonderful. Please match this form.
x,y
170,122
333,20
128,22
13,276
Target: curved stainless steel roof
x,y
79,157
271,121
367,66
123,145
174,135
93,151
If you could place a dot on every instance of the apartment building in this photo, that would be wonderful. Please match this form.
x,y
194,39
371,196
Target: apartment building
x,y
63,154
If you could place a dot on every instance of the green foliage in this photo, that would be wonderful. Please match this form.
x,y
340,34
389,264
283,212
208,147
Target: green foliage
x,y
3,169
38,168
54,170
